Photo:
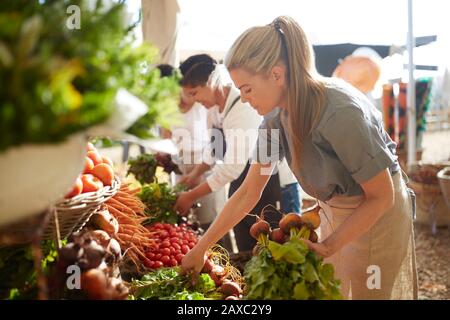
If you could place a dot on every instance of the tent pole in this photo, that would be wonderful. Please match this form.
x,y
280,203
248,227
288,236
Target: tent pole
x,y
411,91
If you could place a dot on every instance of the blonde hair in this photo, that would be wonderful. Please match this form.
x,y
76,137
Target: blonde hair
x,y
259,49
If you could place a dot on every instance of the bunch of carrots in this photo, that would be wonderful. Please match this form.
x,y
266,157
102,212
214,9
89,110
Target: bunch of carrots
x,y
133,237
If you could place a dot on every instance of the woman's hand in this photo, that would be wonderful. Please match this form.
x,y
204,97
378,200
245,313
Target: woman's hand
x,y
323,249
190,180
193,262
184,203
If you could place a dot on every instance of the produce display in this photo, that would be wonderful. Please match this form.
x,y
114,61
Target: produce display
x,y
283,267
172,243
160,199
98,172
144,166
218,280
97,255
57,81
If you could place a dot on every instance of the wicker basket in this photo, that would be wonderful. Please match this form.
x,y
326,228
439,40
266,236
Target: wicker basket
x,y
73,213
444,182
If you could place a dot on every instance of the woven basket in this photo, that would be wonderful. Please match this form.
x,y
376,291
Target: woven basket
x,y
444,182
73,213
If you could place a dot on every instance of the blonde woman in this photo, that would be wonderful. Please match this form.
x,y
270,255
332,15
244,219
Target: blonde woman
x,y
334,142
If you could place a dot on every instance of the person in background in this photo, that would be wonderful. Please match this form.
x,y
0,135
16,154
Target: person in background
x,y
234,126
191,137
291,200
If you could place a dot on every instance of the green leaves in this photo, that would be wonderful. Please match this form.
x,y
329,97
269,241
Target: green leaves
x,y
55,81
169,284
159,199
290,271
143,168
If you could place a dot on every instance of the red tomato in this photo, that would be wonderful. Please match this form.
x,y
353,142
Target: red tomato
x,y
76,190
88,165
95,157
90,183
184,249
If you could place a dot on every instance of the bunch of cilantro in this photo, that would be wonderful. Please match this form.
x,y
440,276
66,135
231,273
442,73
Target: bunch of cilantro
x,y
290,271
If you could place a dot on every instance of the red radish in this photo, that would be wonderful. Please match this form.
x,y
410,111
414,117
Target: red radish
x,y
230,288
208,266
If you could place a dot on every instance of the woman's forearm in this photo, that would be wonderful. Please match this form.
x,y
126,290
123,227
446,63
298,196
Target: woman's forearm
x,y
234,211
357,224
200,191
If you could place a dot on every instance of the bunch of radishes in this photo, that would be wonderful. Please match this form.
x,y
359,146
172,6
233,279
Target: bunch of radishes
x,y
172,243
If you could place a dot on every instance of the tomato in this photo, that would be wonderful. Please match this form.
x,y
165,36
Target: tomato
x,y
165,251
107,160
90,183
157,264
76,189
184,249
95,157
90,147
191,244
165,259
104,172
88,165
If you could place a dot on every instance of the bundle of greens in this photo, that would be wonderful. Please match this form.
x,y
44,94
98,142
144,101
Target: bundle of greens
x,y
159,199
289,271
57,79
143,168
169,284
17,273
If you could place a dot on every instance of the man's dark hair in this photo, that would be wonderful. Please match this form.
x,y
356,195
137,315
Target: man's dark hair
x,y
196,70
166,70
